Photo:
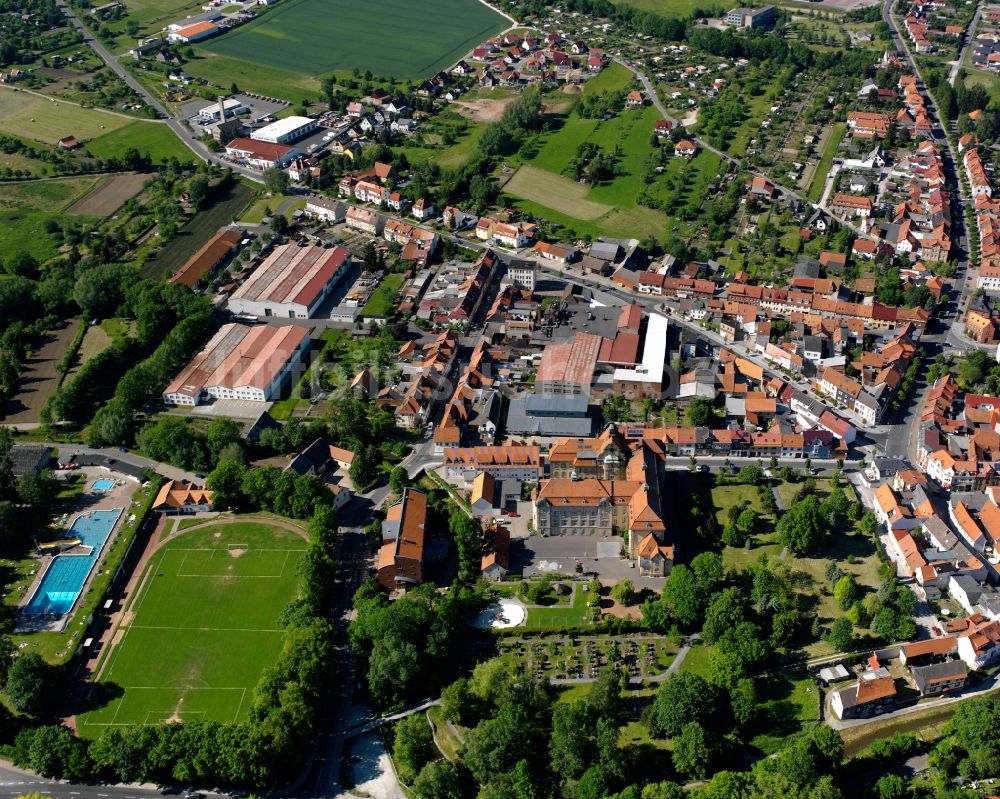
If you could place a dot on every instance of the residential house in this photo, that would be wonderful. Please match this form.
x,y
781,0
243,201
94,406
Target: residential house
x,y
401,559
180,497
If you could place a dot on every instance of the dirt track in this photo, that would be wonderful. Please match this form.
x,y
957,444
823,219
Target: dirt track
x,y
109,195
39,377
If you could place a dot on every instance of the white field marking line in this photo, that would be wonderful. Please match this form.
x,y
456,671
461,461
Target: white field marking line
x,y
249,549
239,707
284,563
203,576
210,629
189,689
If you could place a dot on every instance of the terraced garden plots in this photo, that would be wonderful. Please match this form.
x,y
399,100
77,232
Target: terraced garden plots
x,y
397,38
201,628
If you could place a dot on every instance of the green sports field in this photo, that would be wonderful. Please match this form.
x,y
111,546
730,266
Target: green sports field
x,y
398,38
201,629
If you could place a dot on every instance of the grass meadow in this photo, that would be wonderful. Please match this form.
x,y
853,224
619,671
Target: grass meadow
x,y
45,120
403,40
667,8
150,138
201,629
26,207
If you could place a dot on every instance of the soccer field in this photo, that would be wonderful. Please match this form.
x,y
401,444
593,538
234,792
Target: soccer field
x,y
201,629
398,38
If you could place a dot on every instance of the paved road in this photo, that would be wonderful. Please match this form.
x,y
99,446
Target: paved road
x,y
131,458
16,782
969,36
951,161
173,122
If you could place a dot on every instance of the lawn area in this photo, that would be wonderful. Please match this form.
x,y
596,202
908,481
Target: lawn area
x,y
696,660
834,135
26,207
255,213
447,743
45,120
727,496
201,629
636,733
152,139
561,144
790,704
572,693
555,617
403,40
666,8
612,78
226,206
383,299
555,191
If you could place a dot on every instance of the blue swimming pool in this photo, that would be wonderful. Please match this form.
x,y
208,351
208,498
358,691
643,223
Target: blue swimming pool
x,y
102,485
63,580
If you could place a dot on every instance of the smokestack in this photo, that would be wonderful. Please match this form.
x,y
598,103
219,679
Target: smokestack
x,y
222,108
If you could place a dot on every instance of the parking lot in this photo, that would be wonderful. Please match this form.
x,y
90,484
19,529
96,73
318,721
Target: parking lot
x,y
536,556
260,107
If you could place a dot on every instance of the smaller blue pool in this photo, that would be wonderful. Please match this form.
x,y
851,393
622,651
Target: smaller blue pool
x,y
65,575
102,485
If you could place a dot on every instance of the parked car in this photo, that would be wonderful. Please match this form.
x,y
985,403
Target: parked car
x,y
514,514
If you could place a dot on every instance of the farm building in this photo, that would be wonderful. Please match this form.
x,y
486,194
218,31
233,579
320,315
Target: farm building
x,y
285,130
193,33
214,251
292,282
261,154
240,362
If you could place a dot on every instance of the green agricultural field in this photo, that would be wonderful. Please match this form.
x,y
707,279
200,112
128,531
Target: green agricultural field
x,y
249,76
201,629
45,120
147,10
26,207
403,39
150,138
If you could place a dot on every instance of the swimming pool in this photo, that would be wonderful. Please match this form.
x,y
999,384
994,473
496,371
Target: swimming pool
x,y
65,575
102,485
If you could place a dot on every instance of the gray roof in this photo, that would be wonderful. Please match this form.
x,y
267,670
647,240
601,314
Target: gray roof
x,y
25,458
950,669
533,415
315,457
553,405
605,252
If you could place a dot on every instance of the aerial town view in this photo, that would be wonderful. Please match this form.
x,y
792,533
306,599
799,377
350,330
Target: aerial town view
x,y
500,399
